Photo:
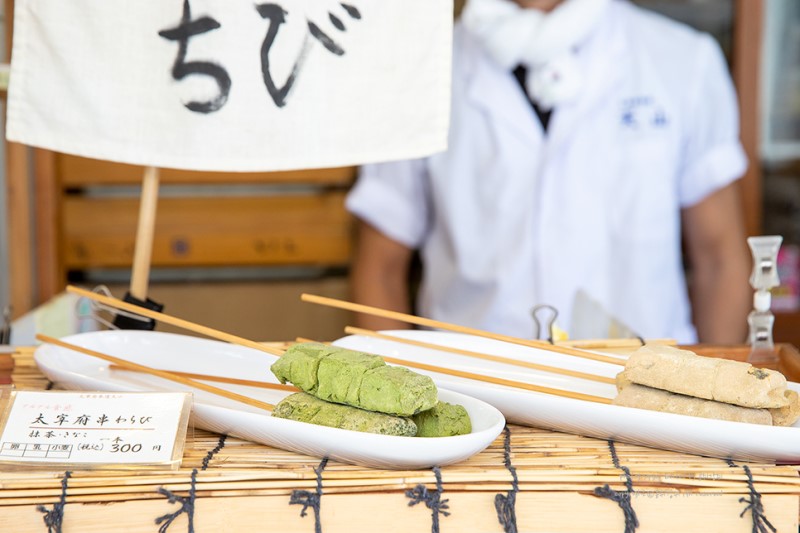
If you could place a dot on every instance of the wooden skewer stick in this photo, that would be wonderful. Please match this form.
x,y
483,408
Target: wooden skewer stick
x,y
491,379
428,322
113,302
159,373
143,250
178,322
496,358
610,344
220,379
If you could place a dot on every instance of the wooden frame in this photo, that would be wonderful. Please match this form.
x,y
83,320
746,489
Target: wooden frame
x,y
748,24
18,209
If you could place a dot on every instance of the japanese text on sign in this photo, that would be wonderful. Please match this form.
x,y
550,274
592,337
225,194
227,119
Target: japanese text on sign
x,y
93,428
276,16
232,85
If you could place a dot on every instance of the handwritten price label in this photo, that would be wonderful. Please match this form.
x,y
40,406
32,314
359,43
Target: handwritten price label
x,y
94,428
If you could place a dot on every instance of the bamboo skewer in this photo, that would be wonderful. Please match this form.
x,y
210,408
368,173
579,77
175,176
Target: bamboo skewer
x,y
113,302
610,344
428,322
491,379
159,373
496,358
219,379
178,322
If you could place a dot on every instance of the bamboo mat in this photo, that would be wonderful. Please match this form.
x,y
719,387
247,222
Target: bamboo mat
x,y
551,467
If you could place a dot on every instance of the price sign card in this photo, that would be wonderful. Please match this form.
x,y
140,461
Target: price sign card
x,y
94,429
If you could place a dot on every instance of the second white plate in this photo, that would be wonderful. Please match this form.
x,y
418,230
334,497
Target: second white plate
x,y
702,436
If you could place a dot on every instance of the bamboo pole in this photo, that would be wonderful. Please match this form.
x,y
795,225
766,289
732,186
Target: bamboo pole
x,y
143,248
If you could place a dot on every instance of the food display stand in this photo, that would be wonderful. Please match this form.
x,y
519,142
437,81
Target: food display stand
x,y
529,479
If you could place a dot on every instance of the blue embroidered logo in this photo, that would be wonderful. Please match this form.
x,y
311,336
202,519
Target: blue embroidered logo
x,y
642,113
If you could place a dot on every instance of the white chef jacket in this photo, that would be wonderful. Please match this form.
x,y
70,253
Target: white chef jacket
x,y
509,217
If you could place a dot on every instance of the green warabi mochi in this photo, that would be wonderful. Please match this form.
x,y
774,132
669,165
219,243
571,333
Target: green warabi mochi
x,y
444,420
340,376
299,365
355,378
397,390
306,408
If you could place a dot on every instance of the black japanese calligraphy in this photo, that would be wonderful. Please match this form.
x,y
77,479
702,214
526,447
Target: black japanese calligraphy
x,y
276,16
182,33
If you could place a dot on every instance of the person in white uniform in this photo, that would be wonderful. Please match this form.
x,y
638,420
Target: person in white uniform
x,y
630,146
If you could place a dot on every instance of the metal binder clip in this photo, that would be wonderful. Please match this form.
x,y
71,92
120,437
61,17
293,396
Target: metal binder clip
x,y
133,321
550,323
120,319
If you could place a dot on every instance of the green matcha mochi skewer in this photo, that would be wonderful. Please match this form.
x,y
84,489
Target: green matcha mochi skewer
x,y
423,384
355,378
304,407
443,420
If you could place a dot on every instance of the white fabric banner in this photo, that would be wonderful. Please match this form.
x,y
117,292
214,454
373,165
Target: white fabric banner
x,y
232,85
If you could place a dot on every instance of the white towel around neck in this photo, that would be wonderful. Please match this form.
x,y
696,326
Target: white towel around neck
x,y
545,43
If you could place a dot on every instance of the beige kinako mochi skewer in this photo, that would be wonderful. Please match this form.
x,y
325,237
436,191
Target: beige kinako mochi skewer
x,y
786,416
633,395
684,372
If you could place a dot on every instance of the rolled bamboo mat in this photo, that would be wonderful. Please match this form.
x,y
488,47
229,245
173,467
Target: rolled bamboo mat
x,y
557,475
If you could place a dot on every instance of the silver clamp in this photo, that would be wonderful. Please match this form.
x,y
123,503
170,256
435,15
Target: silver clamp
x,y
550,323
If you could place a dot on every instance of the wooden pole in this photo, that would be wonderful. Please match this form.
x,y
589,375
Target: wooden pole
x,y
18,208
20,233
143,251
50,273
748,32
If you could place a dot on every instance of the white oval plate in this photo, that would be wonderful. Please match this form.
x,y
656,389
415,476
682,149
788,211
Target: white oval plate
x,y
701,436
181,353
